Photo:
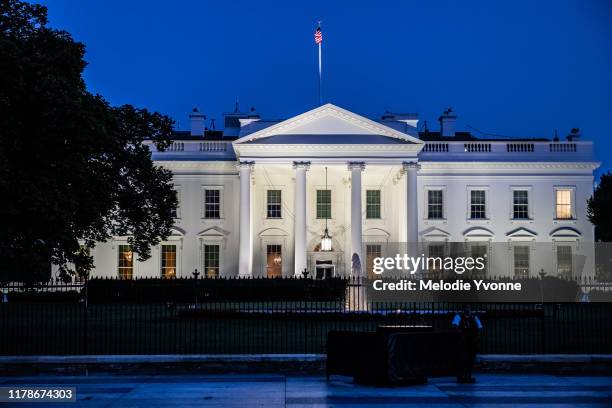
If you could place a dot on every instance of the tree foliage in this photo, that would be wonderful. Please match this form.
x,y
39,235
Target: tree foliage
x,y
599,208
74,170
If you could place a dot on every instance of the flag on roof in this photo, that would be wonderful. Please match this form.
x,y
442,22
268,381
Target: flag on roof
x,y
318,36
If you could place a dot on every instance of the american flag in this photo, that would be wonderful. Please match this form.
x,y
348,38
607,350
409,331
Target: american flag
x,y
318,36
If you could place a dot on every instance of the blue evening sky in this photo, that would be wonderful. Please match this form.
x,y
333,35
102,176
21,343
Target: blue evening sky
x,y
517,68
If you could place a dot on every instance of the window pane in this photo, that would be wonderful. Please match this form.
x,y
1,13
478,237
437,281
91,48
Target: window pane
x,y
564,204
564,261
521,261
274,261
212,204
211,261
434,204
480,251
274,204
372,251
372,203
168,261
477,204
520,204
323,203
126,262
435,255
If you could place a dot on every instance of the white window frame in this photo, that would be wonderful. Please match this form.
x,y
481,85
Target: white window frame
x,y
365,203
221,202
179,194
426,190
212,240
274,240
469,203
572,203
265,201
529,203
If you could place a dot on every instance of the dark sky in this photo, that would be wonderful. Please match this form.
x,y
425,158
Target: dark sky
x,y
517,68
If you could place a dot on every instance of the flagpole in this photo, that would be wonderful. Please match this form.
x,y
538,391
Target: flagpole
x,y
320,71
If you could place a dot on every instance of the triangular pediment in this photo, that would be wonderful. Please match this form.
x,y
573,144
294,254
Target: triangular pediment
x,y
328,124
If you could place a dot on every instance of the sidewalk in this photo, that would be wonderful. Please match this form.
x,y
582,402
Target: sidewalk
x,y
272,390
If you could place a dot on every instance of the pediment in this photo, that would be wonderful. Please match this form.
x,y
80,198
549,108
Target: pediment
x,y
328,124
435,232
213,232
478,232
521,233
565,232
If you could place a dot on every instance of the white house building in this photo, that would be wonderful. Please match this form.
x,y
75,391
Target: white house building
x,y
256,197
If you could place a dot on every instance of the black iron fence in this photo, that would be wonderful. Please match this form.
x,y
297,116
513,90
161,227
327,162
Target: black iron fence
x,y
69,319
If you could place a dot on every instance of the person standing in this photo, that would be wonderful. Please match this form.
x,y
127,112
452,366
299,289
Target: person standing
x,y
469,325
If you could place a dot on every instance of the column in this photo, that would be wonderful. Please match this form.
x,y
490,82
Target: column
x,y
412,215
300,217
356,217
245,253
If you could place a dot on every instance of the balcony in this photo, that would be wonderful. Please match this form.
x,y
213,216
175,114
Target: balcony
x,y
194,150
484,150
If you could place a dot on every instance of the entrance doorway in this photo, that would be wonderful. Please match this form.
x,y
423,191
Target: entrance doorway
x,y
274,261
324,269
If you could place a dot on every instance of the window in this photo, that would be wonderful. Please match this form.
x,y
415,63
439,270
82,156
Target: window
x,y
564,261
563,210
372,203
324,204
478,205
479,251
520,204
435,251
168,261
274,261
521,261
435,205
372,251
126,262
274,204
212,204
174,212
211,261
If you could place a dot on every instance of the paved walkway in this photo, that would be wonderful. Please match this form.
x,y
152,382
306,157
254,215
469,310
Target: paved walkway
x,y
492,390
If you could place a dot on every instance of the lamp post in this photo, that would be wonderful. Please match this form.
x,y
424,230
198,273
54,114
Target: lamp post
x,y
326,239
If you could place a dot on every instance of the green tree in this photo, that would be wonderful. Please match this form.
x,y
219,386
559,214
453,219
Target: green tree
x,y
599,208
73,169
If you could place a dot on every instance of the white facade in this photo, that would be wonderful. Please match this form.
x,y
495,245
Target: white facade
x,y
379,174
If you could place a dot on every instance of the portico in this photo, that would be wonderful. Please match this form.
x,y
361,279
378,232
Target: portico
x,y
284,204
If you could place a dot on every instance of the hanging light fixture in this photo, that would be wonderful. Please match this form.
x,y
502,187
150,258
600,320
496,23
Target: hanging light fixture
x,y
326,239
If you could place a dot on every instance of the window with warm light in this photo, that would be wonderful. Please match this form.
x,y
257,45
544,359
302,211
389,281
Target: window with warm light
x,y
563,205
274,261
168,261
211,261
373,251
126,262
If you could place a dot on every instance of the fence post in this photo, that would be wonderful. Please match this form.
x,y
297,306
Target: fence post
x,y
86,319
543,329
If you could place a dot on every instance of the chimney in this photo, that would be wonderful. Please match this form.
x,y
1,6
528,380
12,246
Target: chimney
x,y
447,123
197,122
